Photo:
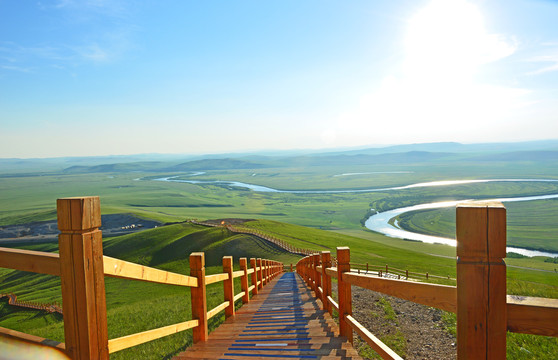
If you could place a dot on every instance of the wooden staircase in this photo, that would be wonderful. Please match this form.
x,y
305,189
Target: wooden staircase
x,y
283,321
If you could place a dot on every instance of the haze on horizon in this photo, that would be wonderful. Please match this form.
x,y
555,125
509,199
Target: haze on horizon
x,y
99,77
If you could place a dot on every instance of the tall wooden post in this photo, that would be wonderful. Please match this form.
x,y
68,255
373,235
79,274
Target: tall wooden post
x,y
317,276
82,277
198,296
244,280
291,267
326,280
259,269
228,285
481,280
254,266
264,271
344,292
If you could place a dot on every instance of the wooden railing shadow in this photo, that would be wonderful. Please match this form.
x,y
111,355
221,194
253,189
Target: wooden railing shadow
x,y
484,311
82,268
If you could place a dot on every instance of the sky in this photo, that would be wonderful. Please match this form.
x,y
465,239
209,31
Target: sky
x,y
107,77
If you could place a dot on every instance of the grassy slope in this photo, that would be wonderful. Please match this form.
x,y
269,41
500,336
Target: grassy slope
x,y
168,247
136,306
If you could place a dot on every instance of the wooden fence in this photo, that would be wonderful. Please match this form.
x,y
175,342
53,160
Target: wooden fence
x,y
82,268
484,311
50,308
272,239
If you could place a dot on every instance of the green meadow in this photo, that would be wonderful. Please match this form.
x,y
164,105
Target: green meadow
x,y
316,221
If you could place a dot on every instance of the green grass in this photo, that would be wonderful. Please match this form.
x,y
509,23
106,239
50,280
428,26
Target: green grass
x,y
138,306
134,306
529,223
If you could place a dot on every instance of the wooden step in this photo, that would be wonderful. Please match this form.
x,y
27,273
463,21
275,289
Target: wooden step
x,y
284,321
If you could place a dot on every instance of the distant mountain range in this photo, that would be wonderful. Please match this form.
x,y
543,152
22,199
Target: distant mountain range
x,y
536,151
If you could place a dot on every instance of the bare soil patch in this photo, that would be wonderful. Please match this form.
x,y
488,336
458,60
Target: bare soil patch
x,y
417,328
113,224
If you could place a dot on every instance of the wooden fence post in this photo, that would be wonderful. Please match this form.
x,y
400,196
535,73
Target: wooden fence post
x,y
265,271
254,266
344,292
228,285
317,276
326,280
291,267
259,262
481,280
244,280
82,277
198,296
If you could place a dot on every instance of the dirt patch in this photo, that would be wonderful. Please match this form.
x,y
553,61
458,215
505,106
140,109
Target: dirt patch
x,y
416,328
113,224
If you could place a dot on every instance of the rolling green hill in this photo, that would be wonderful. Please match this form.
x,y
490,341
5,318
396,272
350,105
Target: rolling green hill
x,y
137,306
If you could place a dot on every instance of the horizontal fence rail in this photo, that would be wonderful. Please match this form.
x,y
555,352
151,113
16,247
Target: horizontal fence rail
x,y
479,299
82,268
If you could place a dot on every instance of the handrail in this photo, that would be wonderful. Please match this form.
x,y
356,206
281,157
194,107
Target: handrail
x,y
237,274
50,307
210,279
211,313
82,268
532,315
481,248
127,270
382,349
128,341
439,296
31,261
31,338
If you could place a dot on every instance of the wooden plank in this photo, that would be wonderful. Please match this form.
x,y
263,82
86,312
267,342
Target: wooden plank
x,y
31,338
319,269
439,296
382,349
127,270
210,279
82,278
125,342
238,296
333,303
238,273
251,288
332,271
250,271
32,261
211,313
198,297
531,315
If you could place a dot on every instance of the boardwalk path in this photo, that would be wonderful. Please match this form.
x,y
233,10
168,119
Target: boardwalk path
x,y
283,321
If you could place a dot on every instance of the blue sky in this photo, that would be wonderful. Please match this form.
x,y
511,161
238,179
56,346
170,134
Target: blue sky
x,y
98,77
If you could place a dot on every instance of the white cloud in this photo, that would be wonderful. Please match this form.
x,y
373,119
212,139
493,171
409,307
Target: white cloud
x,y
551,58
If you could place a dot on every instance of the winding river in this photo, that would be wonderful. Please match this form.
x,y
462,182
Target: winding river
x,y
380,222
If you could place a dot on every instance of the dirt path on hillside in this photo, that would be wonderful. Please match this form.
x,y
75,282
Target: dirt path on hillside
x,y
417,328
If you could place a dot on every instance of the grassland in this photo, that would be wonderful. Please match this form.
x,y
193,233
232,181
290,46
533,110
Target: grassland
x,y
26,198
168,248
529,223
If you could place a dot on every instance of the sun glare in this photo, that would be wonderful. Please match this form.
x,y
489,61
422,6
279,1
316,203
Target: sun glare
x,y
438,86
448,37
